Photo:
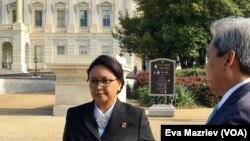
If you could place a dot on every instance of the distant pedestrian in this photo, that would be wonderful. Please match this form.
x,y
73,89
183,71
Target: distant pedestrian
x,y
135,69
144,67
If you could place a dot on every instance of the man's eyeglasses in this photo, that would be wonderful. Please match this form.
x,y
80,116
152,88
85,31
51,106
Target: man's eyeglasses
x,y
104,82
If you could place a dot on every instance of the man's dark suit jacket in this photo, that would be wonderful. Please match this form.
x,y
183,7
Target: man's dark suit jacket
x,y
127,123
236,109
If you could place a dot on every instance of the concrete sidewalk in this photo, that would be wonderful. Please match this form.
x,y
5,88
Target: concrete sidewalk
x,y
28,117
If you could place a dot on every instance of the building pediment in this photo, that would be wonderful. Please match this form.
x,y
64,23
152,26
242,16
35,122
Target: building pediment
x,y
60,4
37,4
13,4
82,3
106,3
9,2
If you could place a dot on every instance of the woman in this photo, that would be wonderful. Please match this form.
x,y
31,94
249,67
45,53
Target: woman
x,y
106,118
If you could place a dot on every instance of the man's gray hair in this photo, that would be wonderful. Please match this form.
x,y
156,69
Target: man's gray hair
x,y
233,33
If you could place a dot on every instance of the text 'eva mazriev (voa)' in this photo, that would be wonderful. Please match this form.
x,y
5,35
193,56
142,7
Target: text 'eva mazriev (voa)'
x,y
169,132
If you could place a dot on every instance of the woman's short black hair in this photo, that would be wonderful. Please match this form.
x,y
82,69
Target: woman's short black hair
x,y
111,63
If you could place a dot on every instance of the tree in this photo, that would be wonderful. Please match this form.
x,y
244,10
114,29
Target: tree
x,y
174,29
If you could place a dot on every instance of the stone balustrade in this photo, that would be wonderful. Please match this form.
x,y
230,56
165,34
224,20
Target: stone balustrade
x,y
6,27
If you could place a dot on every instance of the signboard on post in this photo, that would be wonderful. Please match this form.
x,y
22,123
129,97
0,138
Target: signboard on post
x,y
161,77
161,83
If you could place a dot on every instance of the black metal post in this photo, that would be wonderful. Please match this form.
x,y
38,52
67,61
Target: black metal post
x,y
35,59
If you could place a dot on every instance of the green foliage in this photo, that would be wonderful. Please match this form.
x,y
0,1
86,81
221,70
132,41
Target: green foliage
x,y
178,30
183,97
198,86
191,89
190,72
142,94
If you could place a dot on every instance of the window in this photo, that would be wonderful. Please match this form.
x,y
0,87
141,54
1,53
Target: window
x,y
61,50
83,18
83,50
106,50
60,18
38,18
14,16
38,54
106,18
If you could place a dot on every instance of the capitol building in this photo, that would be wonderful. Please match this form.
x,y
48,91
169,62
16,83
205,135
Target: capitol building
x,y
63,37
35,33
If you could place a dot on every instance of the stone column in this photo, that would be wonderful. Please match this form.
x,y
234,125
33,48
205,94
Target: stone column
x,y
71,12
94,19
1,53
19,11
20,37
49,14
18,25
117,9
26,12
129,6
4,16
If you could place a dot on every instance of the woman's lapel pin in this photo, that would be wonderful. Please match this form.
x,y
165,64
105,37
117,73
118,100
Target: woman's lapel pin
x,y
124,125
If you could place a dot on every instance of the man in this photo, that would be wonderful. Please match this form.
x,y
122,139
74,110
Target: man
x,y
228,70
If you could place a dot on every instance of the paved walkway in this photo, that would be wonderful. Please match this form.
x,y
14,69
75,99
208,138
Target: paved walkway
x,y
28,117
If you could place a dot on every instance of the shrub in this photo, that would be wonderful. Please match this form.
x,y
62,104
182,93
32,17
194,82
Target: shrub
x,y
198,86
142,94
191,80
141,80
190,72
183,97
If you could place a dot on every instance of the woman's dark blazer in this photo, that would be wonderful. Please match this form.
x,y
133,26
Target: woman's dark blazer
x,y
127,123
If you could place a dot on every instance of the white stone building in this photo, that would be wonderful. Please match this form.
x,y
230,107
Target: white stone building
x,y
62,36
58,31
